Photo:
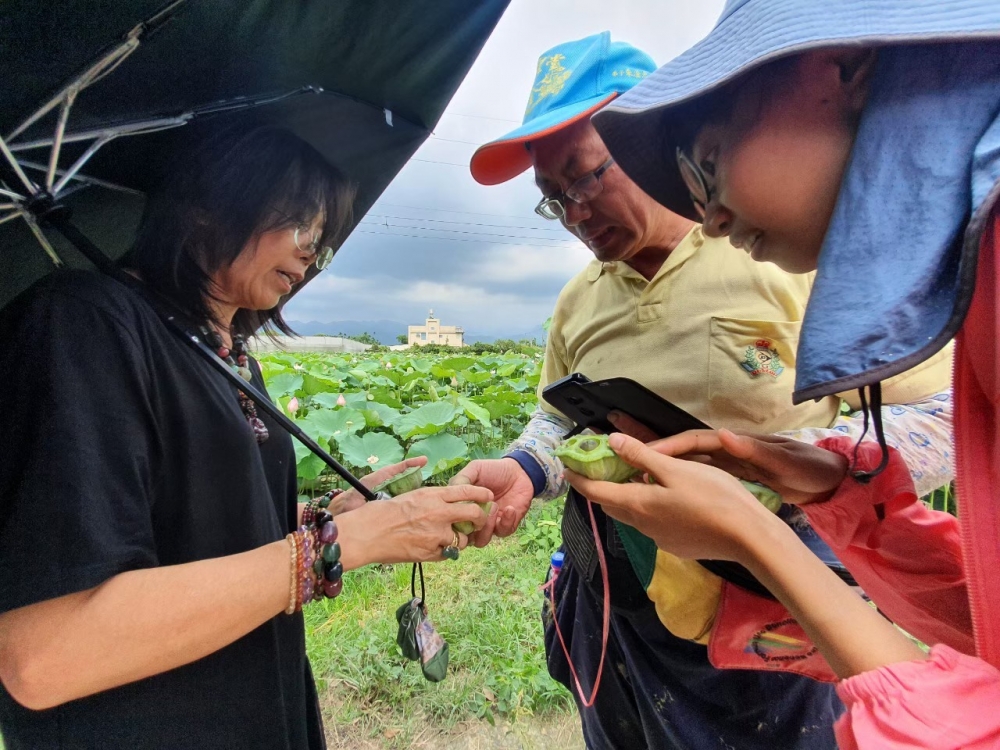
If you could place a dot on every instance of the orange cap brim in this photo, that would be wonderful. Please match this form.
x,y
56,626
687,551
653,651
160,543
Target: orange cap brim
x,y
502,160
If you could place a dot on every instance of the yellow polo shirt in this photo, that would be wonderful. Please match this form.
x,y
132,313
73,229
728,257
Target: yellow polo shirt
x,y
714,332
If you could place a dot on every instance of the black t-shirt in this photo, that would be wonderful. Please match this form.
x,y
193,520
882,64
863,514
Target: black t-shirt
x,y
121,449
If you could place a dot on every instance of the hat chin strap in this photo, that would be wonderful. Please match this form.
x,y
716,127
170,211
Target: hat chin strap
x,y
864,477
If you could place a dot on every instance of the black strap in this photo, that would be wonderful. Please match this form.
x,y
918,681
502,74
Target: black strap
x,y
864,477
627,593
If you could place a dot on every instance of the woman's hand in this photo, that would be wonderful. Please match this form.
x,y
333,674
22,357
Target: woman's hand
x,y
414,527
800,472
351,500
693,510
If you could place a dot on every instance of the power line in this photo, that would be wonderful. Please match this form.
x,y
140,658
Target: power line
x,y
458,239
456,211
432,161
453,140
482,117
465,223
461,231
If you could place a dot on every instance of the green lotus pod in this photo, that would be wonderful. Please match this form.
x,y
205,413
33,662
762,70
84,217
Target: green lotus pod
x,y
591,456
467,527
767,497
405,481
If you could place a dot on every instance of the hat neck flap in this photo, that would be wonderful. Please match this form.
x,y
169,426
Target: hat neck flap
x,y
897,268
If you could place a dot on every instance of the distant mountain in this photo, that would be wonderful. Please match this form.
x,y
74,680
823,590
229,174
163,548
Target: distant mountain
x,y
383,330
537,333
387,330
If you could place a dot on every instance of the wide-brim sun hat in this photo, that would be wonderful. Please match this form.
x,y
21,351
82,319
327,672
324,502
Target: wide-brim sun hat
x,y
897,268
572,81
638,126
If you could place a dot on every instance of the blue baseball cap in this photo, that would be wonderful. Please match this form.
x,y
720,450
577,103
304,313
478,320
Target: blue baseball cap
x,y
572,81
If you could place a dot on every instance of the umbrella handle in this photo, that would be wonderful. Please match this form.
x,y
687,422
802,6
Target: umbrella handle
x,y
58,218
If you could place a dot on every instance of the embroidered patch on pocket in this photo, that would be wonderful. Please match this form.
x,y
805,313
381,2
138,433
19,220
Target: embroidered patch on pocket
x,y
762,359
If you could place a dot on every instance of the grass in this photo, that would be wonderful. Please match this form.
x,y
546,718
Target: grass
x,y
487,606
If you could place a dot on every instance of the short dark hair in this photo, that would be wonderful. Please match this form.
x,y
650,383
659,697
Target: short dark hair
x,y
229,191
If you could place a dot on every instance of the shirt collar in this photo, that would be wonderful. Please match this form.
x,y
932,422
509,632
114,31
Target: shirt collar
x,y
680,254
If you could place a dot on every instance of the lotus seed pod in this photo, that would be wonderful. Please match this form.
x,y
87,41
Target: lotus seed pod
x,y
591,456
467,527
767,497
405,481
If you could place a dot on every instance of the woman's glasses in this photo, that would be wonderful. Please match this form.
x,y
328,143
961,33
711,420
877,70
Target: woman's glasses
x,y
695,181
307,240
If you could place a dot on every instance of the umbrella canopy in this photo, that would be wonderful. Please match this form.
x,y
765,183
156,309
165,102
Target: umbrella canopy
x,y
363,81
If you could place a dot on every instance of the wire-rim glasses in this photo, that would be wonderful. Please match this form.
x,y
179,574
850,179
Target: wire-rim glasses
x,y
307,243
695,182
585,189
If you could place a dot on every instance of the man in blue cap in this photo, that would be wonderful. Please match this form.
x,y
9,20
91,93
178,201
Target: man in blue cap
x,y
683,314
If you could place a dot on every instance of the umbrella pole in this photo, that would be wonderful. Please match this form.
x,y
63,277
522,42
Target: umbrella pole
x,y
59,220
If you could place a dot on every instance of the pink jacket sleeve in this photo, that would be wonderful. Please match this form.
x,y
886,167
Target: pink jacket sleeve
x,y
948,702
906,557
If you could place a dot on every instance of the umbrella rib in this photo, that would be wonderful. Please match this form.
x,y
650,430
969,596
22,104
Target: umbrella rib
x,y
81,81
86,179
42,239
57,139
104,65
5,150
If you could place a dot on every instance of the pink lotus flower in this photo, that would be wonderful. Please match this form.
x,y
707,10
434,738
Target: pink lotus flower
x,y
293,405
341,401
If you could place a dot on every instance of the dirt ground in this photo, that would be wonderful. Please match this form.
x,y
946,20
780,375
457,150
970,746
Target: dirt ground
x,y
551,732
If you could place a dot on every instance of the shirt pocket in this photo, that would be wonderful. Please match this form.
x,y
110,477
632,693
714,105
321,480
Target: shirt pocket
x,y
751,373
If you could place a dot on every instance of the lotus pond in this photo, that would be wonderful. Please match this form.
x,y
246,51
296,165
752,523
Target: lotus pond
x,y
372,410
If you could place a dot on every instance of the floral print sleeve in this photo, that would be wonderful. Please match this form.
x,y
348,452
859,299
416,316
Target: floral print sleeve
x,y
540,437
920,431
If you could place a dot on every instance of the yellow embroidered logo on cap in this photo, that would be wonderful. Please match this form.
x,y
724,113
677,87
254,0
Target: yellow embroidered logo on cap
x,y
762,359
549,84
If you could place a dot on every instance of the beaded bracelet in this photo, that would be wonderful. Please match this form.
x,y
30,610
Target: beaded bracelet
x,y
293,576
315,506
316,569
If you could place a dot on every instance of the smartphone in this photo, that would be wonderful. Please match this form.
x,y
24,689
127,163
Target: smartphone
x,y
587,402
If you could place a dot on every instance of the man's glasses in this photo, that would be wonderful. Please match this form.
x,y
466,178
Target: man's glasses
x,y
694,180
585,189
307,241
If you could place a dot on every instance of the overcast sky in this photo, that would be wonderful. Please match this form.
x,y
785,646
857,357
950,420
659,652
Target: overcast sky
x,y
492,266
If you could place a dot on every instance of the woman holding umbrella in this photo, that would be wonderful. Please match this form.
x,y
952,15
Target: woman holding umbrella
x,y
152,574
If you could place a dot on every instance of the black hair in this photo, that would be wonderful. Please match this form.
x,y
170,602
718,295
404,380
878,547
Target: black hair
x,y
229,191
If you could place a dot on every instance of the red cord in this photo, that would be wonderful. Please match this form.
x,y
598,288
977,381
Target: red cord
x,y
551,586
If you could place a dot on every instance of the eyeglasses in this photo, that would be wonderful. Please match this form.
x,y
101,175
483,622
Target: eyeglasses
x,y
308,242
585,189
694,180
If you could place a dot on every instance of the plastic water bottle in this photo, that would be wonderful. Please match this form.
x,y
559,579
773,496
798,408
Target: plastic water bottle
x,y
557,562
550,585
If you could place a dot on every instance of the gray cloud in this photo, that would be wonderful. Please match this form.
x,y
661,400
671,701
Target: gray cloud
x,y
467,256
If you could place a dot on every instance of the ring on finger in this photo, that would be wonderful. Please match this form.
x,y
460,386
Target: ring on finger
x,y
451,551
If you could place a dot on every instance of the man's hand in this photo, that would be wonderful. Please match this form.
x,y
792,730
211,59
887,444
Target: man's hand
x,y
512,492
800,472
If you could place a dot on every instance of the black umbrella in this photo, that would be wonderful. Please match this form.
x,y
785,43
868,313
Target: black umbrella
x,y
98,96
